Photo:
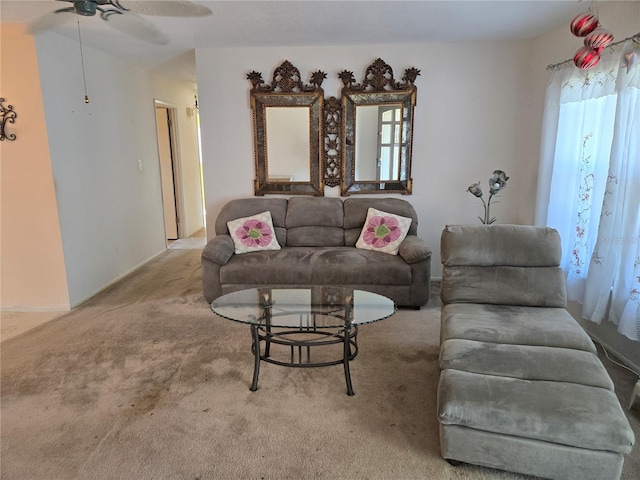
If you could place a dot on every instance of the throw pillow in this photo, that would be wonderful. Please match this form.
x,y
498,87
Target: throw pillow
x,y
253,233
383,232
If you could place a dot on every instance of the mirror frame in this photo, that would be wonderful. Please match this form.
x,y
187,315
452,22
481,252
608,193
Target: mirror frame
x,y
378,88
287,90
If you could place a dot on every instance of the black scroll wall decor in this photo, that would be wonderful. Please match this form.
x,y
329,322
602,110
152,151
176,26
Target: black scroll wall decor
x,y
7,115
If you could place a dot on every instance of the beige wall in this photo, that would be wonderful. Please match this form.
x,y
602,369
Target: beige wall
x,y
471,118
32,261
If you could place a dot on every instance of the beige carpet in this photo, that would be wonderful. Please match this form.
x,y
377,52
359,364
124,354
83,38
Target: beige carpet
x,y
144,382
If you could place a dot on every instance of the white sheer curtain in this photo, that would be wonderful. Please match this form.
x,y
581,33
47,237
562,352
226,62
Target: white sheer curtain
x,y
589,186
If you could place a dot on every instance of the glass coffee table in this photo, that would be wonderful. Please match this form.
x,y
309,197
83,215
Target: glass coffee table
x,y
303,327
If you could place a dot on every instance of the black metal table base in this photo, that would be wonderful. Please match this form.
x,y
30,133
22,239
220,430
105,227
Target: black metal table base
x,y
346,336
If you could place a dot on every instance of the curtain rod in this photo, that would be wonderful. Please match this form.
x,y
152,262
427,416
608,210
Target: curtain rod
x,y
635,38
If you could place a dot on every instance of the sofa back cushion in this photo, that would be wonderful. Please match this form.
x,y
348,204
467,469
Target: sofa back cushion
x,y
246,207
355,214
315,222
502,264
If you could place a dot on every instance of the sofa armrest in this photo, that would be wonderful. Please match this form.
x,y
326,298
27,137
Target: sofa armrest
x,y
219,249
413,249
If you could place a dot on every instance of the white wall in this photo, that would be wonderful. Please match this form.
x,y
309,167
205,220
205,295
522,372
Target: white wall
x,y
471,118
181,95
110,211
623,20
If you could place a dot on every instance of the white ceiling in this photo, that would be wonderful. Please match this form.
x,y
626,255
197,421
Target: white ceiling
x,y
304,22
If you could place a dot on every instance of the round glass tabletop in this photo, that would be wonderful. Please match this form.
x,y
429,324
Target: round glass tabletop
x,y
320,306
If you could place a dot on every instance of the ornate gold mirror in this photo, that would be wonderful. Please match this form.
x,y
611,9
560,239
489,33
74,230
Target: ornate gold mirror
x,y
288,133
377,130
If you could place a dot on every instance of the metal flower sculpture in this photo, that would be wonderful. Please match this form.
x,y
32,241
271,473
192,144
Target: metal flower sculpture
x,y
497,182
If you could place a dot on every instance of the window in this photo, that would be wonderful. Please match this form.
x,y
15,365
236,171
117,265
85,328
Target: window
x,y
589,186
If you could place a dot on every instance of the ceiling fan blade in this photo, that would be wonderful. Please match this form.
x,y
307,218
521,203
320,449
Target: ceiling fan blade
x,y
49,21
166,8
137,27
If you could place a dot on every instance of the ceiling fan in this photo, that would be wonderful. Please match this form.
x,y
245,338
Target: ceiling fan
x,y
125,18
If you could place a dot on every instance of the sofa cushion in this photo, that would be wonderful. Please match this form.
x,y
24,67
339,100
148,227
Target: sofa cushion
x,y
315,237
527,362
383,232
245,207
356,209
351,266
287,266
488,245
504,285
558,412
314,222
254,233
517,325
314,266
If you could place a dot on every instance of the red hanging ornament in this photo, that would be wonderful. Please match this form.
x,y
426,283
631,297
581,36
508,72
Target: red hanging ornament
x,y
584,24
599,38
586,57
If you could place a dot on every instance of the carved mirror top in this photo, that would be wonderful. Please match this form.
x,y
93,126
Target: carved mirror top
x,y
286,79
379,78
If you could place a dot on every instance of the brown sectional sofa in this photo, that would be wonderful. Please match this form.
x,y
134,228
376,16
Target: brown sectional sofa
x,y
318,237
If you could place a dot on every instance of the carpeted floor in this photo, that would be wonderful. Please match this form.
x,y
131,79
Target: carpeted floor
x,y
144,382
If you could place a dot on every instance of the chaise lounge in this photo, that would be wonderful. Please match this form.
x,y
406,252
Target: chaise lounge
x,y
521,386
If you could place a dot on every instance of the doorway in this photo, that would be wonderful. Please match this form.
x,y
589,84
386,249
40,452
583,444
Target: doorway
x,y
169,171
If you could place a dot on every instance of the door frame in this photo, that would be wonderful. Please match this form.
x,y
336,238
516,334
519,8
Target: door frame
x,y
176,164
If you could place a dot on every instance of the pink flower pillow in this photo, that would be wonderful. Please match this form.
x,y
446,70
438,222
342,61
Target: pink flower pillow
x,y
383,232
253,233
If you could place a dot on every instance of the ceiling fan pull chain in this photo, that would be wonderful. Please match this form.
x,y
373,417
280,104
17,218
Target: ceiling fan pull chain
x,y
84,79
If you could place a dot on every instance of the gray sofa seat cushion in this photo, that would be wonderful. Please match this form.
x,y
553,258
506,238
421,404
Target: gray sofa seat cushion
x,y
489,245
352,266
527,362
316,266
516,325
286,266
565,413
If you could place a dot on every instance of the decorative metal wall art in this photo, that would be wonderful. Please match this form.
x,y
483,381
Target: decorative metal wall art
x,y
333,138
286,79
7,115
379,78
296,110
376,156
331,154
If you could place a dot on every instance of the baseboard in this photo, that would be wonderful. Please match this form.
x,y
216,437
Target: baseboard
x,y
39,308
